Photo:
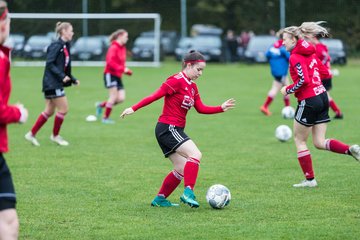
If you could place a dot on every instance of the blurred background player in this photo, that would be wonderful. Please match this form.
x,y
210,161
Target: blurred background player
x,y
311,115
322,53
57,75
114,69
279,64
180,93
9,223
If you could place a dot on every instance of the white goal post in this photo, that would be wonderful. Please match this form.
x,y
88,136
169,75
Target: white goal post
x,y
155,16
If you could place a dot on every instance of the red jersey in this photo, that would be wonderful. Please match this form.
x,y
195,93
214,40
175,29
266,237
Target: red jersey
x,y
181,93
306,71
115,59
8,114
322,53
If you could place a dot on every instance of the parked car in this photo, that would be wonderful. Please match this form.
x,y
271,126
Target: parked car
x,y
104,38
184,46
169,40
205,30
17,42
89,48
36,46
257,47
143,49
210,46
336,50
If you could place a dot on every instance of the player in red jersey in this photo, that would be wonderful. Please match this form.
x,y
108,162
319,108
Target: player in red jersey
x,y
322,53
180,93
114,69
9,223
57,75
311,115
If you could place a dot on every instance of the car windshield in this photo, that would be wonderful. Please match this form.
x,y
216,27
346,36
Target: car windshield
x,y
333,43
206,41
39,40
185,42
144,41
17,38
261,43
82,43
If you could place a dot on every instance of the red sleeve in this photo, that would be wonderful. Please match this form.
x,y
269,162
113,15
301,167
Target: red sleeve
x,y
149,99
115,59
8,113
202,108
324,71
298,72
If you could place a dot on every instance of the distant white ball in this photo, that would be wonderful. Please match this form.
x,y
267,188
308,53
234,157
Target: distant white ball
x,y
288,112
91,118
218,196
283,133
335,72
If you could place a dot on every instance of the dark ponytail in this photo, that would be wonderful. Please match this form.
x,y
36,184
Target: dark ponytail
x,y
193,57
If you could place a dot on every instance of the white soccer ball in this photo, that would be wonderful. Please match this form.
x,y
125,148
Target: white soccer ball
x,y
283,133
288,112
218,196
91,118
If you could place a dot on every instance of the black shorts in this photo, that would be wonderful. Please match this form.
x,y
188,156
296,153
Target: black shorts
x,y
111,81
280,79
313,110
7,191
54,93
169,137
327,84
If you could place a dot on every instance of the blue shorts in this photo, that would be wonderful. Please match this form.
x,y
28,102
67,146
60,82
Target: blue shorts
x,y
169,137
7,191
111,81
280,79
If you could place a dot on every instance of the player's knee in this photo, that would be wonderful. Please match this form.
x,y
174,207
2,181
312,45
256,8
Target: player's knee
x,y
48,113
197,155
319,145
9,225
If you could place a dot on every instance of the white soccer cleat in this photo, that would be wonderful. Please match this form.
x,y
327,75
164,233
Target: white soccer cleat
x,y
306,183
355,152
59,140
32,139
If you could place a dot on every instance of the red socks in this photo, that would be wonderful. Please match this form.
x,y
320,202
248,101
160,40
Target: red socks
x,y
108,110
173,179
59,119
43,117
287,100
336,146
170,183
334,107
191,170
268,101
305,161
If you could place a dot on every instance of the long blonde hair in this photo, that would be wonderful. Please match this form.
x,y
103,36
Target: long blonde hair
x,y
307,29
116,34
60,26
313,29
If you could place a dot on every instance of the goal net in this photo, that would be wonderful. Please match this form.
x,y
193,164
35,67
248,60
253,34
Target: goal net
x,y
101,25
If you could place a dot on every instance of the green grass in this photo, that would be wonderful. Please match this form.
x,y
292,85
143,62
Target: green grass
x,y
101,186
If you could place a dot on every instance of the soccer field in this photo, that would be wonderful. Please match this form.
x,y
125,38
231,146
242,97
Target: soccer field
x,y
101,186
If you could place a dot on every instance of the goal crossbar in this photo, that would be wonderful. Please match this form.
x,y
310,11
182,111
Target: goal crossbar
x,y
155,16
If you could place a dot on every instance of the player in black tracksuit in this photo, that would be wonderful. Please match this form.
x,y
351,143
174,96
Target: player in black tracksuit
x,y
57,75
